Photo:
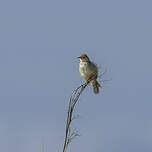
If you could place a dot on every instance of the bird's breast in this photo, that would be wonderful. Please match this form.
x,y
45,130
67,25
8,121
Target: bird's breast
x,y
84,70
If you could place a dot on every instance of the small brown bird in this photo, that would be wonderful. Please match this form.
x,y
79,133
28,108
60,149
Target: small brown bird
x,y
89,71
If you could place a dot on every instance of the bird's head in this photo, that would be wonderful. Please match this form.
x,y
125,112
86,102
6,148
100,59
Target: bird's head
x,y
84,58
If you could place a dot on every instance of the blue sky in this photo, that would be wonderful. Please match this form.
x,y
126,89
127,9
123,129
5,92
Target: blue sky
x,y
39,45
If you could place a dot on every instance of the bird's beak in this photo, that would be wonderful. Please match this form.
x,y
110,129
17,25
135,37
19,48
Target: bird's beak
x,y
78,57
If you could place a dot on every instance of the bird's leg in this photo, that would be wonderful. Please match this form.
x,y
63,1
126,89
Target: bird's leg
x,y
84,85
92,77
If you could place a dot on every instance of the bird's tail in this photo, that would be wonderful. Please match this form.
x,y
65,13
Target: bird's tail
x,y
96,86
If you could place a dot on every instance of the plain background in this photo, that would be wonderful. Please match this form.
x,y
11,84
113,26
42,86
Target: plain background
x,y
39,45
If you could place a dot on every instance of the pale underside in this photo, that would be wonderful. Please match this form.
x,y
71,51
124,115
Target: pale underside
x,y
88,70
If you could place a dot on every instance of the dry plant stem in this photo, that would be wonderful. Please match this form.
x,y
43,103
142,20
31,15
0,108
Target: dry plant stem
x,y
73,100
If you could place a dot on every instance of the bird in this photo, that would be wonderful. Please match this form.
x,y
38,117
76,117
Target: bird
x,y
89,72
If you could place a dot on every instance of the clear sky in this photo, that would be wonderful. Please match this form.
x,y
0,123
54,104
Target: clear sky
x,y
39,45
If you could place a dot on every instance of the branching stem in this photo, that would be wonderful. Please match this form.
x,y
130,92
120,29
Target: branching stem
x,y
73,100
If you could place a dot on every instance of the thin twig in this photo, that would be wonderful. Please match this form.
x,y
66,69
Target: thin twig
x,y
73,100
